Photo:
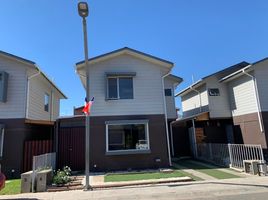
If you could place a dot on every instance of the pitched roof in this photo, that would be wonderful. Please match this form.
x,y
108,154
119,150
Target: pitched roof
x,y
219,74
123,50
33,64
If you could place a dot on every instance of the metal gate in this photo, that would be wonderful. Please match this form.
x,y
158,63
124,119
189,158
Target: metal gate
x,y
71,148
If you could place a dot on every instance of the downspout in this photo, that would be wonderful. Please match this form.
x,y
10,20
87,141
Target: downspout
x,y
171,137
200,100
256,98
28,88
166,121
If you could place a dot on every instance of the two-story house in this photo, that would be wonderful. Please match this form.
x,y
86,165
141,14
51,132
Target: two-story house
x,y
228,106
134,101
29,105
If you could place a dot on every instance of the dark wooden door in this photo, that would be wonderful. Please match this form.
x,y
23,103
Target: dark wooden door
x,y
71,148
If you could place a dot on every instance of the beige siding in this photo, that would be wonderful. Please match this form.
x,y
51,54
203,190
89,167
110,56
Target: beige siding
x,y
219,106
242,96
261,74
147,86
16,94
191,102
170,100
39,86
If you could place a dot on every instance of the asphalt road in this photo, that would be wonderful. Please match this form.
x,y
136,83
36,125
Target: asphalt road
x,y
240,188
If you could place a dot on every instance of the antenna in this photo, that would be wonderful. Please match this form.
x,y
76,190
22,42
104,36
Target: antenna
x,y
192,79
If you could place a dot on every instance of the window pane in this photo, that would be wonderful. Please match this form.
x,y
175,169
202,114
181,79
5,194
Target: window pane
x,y
46,104
126,88
127,137
112,88
168,92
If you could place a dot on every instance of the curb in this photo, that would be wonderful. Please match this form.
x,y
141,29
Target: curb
x,y
145,182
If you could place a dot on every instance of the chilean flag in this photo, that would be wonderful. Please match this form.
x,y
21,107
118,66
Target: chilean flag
x,y
87,106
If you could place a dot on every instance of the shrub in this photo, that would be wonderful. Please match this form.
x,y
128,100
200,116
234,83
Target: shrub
x,y
62,176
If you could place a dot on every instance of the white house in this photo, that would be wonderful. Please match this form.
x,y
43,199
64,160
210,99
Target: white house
x,y
29,105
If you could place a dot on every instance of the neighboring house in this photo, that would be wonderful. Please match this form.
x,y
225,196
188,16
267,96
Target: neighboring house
x,y
229,106
134,101
29,105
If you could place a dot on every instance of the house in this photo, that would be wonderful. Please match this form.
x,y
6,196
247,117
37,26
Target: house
x,y
134,102
229,106
29,106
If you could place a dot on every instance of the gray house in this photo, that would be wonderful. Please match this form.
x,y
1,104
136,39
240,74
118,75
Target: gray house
x,y
29,106
134,102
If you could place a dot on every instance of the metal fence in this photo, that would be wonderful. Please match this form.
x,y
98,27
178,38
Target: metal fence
x,y
214,153
43,161
240,152
229,154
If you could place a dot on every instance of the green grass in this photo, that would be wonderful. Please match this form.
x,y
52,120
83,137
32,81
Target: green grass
x,y
206,170
141,176
11,187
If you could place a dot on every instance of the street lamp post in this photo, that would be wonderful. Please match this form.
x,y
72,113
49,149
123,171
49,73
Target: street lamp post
x,y
83,12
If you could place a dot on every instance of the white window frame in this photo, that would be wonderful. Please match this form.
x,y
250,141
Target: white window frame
x,y
117,85
128,122
2,129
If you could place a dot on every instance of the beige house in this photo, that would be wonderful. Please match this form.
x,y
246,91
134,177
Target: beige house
x,y
230,105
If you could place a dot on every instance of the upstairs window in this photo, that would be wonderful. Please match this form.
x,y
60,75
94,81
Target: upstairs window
x,y
214,92
168,92
46,104
3,86
120,88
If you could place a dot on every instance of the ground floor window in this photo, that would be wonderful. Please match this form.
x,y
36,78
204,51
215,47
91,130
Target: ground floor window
x,y
127,135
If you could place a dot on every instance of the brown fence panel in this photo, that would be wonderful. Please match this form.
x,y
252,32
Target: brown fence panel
x,y
34,148
71,148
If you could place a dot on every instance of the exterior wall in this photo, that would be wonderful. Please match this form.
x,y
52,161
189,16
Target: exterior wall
x,y
103,162
219,106
16,92
38,87
170,100
147,87
247,129
16,132
191,102
261,74
242,96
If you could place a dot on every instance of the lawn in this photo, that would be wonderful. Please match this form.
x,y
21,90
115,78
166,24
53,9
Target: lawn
x,y
12,187
142,176
195,178
206,170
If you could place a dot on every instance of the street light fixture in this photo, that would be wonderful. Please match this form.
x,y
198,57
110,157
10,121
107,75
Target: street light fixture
x,y
83,12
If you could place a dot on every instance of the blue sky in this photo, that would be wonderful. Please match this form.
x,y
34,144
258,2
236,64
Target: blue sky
x,y
200,37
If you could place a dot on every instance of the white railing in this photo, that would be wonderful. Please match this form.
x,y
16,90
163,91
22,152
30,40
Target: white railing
x,y
43,161
229,154
240,152
214,153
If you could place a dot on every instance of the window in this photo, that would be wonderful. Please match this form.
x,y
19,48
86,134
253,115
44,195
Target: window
x,y
168,92
214,92
3,86
120,88
46,104
127,136
1,139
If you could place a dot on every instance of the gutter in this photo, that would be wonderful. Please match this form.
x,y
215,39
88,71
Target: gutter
x,y
166,122
256,98
28,88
